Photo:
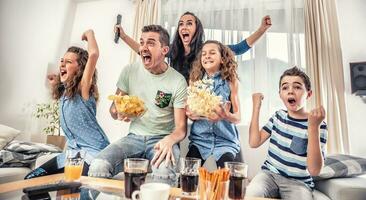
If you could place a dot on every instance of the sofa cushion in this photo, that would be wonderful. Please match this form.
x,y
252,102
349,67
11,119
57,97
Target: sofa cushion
x,y
317,195
340,166
24,154
7,134
343,188
10,174
44,158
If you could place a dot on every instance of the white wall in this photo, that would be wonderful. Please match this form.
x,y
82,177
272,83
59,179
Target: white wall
x,y
351,18
101,17
34,34
29,39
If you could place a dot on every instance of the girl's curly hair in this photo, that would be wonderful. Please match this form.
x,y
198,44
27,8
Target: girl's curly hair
x,y
71,88
227,68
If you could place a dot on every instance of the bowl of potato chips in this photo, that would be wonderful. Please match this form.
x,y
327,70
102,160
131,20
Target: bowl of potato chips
x,y
128,106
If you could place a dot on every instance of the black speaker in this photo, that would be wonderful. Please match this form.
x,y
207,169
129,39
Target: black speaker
x,y
358,78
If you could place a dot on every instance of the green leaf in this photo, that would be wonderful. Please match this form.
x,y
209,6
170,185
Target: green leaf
x,y
49,112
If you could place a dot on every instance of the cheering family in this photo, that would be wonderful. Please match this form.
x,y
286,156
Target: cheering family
x,y
297,136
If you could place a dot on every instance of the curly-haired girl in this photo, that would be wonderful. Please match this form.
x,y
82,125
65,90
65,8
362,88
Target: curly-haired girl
x,y
217,135
76,90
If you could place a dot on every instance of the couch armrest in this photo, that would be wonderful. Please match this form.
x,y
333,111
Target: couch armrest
x,y
343,188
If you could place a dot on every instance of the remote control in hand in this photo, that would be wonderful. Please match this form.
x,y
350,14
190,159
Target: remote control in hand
x,y
116,35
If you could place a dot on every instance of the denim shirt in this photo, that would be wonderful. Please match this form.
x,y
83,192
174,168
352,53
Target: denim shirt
x,y
215,138
79,123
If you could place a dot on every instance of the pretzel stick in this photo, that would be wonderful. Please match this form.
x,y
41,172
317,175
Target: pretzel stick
x,y
220,190
202,180
212,186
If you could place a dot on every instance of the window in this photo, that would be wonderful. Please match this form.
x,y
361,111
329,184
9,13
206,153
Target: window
x,y
282,47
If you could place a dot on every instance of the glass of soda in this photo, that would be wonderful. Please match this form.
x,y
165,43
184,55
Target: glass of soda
x,y
135,170
189,175
238,179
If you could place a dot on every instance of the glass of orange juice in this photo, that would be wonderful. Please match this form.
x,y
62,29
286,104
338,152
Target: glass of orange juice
x,y
74,164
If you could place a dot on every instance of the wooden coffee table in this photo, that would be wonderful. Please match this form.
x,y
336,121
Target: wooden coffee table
x,y
103,185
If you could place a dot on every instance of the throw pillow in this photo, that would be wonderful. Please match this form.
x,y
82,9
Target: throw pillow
x,y
341,166
7,134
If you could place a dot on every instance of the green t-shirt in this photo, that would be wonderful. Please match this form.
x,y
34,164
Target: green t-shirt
x,y
161,94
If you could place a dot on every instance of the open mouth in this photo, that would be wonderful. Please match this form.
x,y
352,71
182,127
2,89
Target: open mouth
x,y
146,58
63,72
291,101
185,37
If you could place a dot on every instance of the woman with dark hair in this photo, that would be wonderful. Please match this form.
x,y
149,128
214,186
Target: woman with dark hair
x,y
188,41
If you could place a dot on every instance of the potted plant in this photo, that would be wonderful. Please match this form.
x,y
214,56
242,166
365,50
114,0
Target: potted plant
x,y
50,112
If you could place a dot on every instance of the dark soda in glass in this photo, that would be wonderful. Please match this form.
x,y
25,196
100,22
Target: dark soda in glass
x,y
133,180
237,187
189,182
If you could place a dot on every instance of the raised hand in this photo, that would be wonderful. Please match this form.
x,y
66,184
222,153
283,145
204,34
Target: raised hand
x,y
316,116
164,150
266,23
87,34
118,28
52,79
257,100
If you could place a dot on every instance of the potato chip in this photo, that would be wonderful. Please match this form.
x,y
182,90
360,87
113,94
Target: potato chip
x,y
130,106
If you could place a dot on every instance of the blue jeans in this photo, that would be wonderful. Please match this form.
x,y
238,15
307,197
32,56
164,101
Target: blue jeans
x,y
270,185
109,161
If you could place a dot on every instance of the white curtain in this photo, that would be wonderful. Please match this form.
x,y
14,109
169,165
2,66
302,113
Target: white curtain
x,y
231,21
324,58
147,12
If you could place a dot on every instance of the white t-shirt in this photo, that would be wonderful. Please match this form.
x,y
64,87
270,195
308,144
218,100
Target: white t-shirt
x,y
161,94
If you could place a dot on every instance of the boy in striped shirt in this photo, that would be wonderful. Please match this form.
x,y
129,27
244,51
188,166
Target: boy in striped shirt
x,y
297,142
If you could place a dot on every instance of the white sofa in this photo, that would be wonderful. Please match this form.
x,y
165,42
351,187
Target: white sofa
x,y
13,174
18,173
8,134
353,188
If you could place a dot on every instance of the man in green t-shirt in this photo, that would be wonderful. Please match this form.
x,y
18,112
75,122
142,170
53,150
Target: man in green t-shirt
x,y
154,135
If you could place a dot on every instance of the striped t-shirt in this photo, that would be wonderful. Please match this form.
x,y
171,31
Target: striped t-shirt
x,y
287,151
